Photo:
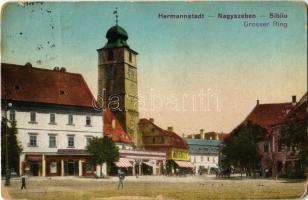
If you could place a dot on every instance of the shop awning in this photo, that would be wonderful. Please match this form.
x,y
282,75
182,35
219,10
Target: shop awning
x,y
184,164
149,164
123,162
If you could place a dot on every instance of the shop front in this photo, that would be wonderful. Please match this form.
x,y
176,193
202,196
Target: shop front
x,y
58,165
141,162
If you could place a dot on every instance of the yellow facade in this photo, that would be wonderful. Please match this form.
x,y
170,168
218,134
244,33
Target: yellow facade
x,y
178,154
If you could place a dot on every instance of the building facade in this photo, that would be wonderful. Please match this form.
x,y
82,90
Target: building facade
x,y
204,154
117,80
272,116
208,135
155,138
55,119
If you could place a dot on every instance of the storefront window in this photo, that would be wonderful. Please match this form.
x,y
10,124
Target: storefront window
x,y
53,167
89,167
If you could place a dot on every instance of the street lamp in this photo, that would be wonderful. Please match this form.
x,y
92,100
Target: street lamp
x,y
7,169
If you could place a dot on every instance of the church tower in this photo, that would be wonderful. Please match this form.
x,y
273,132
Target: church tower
x,y
117,80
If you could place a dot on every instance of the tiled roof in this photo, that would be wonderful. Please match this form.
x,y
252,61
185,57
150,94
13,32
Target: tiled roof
x,y
203,142
176,140
266,115
299,111
112,128
37,85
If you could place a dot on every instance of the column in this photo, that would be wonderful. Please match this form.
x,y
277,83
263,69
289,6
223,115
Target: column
x,y
80,167
43,166
134,172
139,165
21,160
62,167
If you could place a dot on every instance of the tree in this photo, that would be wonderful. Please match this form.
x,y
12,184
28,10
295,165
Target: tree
x,y
241,149
103,150
14,147
295,136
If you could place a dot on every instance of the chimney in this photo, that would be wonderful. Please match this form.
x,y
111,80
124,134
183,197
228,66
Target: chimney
x,y
293,100
258,102
202,134
170,128
151,120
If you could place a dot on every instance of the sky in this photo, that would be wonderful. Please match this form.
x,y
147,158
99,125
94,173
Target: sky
x,y
192,73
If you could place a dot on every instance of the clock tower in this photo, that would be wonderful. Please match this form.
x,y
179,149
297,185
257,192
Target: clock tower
x,y
117,80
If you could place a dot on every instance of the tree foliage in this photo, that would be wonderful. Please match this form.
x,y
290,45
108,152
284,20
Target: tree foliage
x,y
103,150
241,149
295,135
14,147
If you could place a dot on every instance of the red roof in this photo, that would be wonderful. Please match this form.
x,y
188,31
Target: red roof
x,y
299,111
112,128
29,84
265,115
176,140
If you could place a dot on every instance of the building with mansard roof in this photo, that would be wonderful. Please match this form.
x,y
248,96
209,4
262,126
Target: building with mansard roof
x,y
55,119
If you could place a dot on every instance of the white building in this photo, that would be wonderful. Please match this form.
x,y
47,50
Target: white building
x,y
204,154
55,119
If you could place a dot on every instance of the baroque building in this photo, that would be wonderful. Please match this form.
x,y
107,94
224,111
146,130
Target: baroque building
x,y
55,119
117,80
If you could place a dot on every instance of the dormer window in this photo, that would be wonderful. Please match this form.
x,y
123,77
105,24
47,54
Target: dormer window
x,y
110,55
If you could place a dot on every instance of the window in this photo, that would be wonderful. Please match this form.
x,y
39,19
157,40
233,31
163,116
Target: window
x,y
266,147
279,146
130,57
88,140
32,140
208,159
131,72
201,158
88,121
110,55
53,167
89,167
52,141
12,115
52,118
32,117
70,119
71,142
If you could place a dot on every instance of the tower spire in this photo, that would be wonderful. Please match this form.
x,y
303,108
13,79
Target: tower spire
x,y
115,12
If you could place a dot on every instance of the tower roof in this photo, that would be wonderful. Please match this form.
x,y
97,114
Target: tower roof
x,y
117,37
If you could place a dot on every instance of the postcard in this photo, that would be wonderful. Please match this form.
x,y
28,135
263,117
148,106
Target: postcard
x,y
184,100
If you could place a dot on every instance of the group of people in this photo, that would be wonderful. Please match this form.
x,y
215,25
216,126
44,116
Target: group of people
x,y
121,176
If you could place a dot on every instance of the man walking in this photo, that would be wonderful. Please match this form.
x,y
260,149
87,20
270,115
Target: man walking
x,y
23,181
121,176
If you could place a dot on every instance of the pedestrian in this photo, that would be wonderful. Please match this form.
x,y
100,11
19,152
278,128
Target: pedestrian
x,y
23,181
121,176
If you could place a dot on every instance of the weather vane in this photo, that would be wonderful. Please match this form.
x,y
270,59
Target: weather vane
x,y
115,12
